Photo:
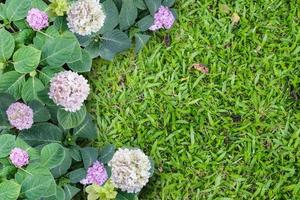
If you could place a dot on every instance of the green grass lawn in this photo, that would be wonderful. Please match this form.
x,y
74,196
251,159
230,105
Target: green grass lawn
x,y
230,134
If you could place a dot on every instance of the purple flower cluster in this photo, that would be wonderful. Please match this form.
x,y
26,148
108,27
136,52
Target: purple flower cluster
x,y
37,19
20,116
19,157
70,90
163,18
96,174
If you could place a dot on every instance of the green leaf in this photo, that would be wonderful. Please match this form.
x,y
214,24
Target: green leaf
x,y
70,120
64,166
42,38
112,16
52,155
126,196
82,65
94,49
7,142
60,24
77,175
76,53
89,156
26,59
140,41
153,5
75,153
9,190
87,129
34,187
40,4
106,53
42,133
70,191
23,37
60,50
2,11
16,9
60,195
168,3
116,41
106,153
128,14
22,24
12,83
30,89
40,112
145,23
84,41
140,4
7,45
6,100
48,72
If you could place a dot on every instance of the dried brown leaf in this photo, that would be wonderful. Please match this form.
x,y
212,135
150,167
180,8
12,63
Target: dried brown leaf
x,y
201,67
235,18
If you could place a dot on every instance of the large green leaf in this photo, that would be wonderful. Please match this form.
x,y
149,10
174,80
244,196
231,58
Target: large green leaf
x,y
30,89
128,14
145,23
42,133
16,9
48,72
89,156
60,195
126,196
59,51
41,38
153,5
112,16
40,112
6,100
12,83
64,166
140,41
77,175
106,153
40,4
87,129
140,4
2,11
82,65
93,48
9,190
70,191
26,59
70,120
76,52
61,24
52,155
168,3
7,142
34,187
116,41
7,45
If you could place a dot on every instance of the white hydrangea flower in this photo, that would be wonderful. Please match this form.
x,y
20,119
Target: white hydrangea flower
x,y
86,17
130,170
69,89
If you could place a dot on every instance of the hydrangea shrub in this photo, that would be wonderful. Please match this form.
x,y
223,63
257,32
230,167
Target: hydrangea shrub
x,y
45,128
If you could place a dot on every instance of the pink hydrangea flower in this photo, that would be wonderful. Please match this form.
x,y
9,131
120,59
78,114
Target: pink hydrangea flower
x,y
69,89
19,157
96,174
163,18
37,19
20,116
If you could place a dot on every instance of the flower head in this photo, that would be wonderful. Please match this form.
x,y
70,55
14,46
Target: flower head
x,y
96,174
70,90
37,19
163,18
19,157
59,7
20,116
105,192
130,170
86,17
